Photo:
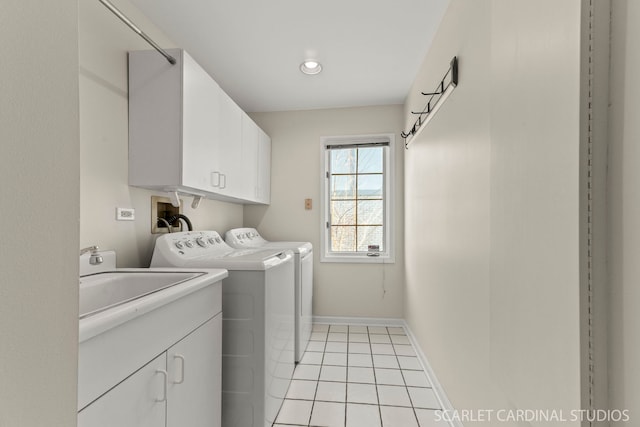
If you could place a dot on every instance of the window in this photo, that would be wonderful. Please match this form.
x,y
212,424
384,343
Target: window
x,y
357,202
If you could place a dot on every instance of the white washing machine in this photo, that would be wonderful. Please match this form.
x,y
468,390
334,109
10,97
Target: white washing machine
x,y
303,251
257,320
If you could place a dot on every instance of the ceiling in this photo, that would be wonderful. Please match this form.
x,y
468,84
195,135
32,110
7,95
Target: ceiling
x,y
370,50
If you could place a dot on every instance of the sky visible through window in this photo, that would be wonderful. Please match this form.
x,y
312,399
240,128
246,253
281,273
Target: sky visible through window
x,y
357,198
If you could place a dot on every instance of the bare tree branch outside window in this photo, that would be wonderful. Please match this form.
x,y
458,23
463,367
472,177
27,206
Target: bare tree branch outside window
x,y
356,198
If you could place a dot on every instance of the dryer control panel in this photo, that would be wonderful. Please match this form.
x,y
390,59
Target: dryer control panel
x,y
244,238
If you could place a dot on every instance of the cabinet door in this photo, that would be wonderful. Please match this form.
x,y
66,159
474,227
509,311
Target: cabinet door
x,y
250,141
264,168
200,122
138,401
228,176
195,378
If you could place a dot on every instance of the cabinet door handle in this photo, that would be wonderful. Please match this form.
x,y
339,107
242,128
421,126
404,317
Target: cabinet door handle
x,y
165,380
215,179
181,359
224,181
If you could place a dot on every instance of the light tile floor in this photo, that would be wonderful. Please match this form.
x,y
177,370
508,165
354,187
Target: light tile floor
x,y
359,376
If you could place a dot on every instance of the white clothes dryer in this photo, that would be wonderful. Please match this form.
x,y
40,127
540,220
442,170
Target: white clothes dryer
x,y
303,252
257,320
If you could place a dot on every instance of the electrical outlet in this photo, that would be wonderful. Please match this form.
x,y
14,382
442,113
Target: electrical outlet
x,y
125,214
308,204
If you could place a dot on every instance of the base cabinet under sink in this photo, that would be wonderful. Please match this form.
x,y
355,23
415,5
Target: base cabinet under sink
x,y
194,395
180,387
132,402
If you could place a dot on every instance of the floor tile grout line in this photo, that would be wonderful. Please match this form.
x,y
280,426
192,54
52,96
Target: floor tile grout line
x,y
315,394
406,388
375,380
346,377
349,355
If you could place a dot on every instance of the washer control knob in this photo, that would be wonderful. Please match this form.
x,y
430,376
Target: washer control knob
x,y
189,243
179,245
218,240
212,240
201,242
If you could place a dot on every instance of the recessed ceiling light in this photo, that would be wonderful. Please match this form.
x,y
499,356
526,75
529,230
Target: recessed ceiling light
x,y
310,67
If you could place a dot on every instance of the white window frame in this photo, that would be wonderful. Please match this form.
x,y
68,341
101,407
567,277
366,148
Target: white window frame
x,y
386,256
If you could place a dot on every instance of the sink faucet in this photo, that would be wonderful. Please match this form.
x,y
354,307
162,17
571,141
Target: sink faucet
x,y
95,257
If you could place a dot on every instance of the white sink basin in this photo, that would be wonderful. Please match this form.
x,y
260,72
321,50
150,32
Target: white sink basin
x,y
129,316
102,291
111,298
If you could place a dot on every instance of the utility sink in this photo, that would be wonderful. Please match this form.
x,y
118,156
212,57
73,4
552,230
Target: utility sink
x,y
129,316
103,291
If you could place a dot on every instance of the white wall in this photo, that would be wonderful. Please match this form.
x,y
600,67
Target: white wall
x,y
492,207
624,209
447,180
40,207
104,42
535,202
359,290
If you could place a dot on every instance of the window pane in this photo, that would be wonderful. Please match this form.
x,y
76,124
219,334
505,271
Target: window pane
x,y
343,187
370,160
370,212
343,161
343,212
343,239
370,186
369,236
356,193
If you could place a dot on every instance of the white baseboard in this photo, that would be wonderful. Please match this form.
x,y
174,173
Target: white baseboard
x,y
374,321
445,403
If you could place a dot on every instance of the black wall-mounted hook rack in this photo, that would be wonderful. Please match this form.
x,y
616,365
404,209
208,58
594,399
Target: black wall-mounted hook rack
x,y
435,101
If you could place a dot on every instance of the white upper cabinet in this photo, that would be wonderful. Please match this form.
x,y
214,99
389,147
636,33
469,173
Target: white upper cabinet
x,y
250,138
186,134
201,114
227,177
256,158
264,168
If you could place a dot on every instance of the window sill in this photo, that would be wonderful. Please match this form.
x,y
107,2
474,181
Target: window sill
x,y
358,259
